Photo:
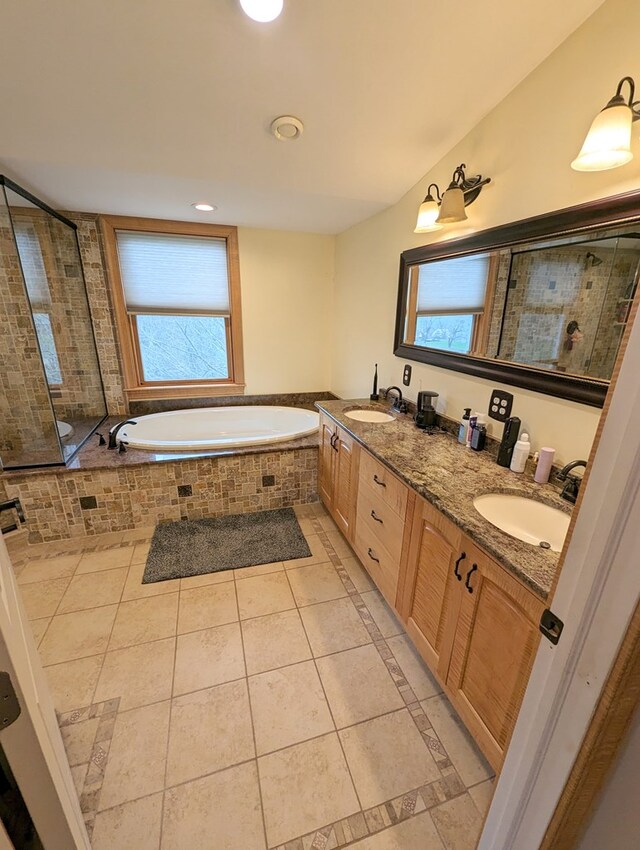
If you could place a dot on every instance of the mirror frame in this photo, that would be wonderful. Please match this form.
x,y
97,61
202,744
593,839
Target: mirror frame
x,y
619,209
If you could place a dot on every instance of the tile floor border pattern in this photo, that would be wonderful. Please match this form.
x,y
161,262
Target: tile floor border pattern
x,y
333,836
411,701
89,792
61,548
342,833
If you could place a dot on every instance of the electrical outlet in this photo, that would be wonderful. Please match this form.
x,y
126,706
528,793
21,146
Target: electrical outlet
x,y
406,375
500,405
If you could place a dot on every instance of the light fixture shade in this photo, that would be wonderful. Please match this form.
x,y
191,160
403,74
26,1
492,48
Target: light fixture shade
x,y
608,142
452,208
427,215
262,11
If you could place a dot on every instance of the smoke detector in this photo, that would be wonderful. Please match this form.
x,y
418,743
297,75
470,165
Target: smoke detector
x,y
286,128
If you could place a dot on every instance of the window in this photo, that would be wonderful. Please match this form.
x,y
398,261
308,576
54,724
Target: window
x,y
448,303
177,299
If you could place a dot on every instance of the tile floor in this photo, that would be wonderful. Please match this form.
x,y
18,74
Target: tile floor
x,y
279,706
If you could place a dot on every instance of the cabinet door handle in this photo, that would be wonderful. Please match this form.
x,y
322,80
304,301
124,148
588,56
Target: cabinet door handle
x,y
334,441
377,518
469,574
377,480
373,558
457,564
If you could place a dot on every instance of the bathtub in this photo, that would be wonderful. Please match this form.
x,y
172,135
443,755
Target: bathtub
x,y
210,428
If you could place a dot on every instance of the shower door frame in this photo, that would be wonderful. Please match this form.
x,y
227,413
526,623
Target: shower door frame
x,y
7,183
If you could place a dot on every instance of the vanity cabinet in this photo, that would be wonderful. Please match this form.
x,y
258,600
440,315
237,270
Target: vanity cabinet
x,y
431,599
474,624
495,641
380,524
337,474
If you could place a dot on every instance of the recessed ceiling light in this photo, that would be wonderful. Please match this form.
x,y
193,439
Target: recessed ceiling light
x,y
286,128
262,11
204,207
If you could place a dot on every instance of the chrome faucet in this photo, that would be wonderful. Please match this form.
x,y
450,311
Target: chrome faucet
x,y
399,404
572,482
113,434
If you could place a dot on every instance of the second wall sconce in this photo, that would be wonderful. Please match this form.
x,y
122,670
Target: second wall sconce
x,y
449,207
608,142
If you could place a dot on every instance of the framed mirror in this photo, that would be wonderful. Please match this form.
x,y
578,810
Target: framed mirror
x,y
541,303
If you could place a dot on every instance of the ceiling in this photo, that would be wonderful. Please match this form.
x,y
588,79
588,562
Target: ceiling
x,y
142,107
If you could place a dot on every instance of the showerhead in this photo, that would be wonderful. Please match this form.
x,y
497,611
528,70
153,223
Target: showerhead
x,y
595,261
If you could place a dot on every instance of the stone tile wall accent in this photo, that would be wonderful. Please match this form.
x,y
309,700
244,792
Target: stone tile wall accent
x,y
133,496
53,273
26,420
546,292
102,316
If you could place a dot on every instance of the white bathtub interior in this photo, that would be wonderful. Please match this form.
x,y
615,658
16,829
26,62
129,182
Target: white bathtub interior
x,y
210,428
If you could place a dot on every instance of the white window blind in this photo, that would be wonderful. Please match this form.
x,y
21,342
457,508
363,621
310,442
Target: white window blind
x,y
170,274
454,286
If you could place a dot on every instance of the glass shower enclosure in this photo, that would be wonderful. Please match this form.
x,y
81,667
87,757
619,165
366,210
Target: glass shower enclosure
x,y
51,393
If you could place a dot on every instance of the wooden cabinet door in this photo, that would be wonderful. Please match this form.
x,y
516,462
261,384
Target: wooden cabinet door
x,y
430,595
344,483
326,455
495,642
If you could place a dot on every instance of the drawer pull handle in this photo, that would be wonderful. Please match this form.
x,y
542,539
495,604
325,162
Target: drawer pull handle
x,y
455,569
373,558
469,574
377,480
377,518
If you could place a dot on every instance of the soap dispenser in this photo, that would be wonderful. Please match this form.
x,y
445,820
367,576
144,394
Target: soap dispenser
x,y
520,454
464,424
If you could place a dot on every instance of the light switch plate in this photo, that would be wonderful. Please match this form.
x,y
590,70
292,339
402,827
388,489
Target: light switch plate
x,y
500,405
406,375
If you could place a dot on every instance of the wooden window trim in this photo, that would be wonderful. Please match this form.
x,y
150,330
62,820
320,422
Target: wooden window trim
x,y
135,387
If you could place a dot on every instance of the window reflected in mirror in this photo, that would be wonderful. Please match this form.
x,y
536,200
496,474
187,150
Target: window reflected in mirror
x,y
561,306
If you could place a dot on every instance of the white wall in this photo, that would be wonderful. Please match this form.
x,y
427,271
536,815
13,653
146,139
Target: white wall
x,y
615,823
525,145
287,288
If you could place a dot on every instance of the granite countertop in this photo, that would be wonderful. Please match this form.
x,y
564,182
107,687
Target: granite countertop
x,y
450,476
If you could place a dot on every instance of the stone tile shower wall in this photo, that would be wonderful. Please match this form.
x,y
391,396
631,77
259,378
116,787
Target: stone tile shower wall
x,y
102,314
52,269
73,504
541,301
26,421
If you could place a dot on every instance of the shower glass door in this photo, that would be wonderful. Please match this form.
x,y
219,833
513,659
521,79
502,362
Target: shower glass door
x,y
52,394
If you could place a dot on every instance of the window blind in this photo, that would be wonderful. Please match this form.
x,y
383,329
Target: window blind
x,y
170,274
454,286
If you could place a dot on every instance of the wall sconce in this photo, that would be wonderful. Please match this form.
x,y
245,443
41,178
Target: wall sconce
x,y
608,142
448,208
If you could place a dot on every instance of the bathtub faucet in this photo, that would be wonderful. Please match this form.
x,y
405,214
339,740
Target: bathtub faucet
x,y
113,433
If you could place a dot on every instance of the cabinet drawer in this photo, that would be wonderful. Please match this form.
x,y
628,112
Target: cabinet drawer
x,y
379,563
392,491
380,521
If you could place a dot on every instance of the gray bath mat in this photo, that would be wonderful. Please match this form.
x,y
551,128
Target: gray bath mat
x,y
196,547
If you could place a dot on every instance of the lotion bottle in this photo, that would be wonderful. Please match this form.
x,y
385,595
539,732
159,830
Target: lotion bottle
x,y
464,424
520,454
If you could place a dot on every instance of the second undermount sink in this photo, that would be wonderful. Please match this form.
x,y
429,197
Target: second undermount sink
x,y
526,519
369,416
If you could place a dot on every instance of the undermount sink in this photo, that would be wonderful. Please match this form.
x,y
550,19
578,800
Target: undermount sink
x,y
369,416
526,519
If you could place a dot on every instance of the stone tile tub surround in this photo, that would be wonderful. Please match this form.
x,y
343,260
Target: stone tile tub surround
x,y
118,492
450,476
130,493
